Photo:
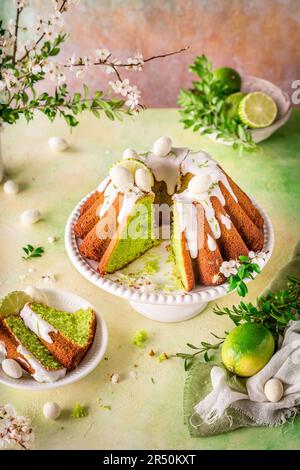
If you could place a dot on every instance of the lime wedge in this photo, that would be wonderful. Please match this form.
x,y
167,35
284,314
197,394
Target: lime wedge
x,y
257,110
13,303
133,165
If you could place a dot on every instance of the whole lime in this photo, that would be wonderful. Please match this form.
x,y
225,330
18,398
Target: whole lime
x,y
229,77
231,104
247,349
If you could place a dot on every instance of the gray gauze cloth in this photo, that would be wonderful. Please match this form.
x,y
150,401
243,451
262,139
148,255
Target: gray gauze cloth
x,y
284,365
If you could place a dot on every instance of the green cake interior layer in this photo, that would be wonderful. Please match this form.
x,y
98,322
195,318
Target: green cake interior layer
x,y
136,237
30,341
177,250
74,326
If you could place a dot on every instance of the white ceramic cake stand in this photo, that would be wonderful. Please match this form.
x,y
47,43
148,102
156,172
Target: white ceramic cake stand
x,y
157,306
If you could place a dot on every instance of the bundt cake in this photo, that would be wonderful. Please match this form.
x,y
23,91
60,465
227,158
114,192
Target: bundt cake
x,y
211,219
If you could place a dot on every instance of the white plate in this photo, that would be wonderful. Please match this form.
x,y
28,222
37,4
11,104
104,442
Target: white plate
x,y
282,100
157,306
69,302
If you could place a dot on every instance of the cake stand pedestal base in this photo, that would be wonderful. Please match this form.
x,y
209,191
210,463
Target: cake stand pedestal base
x,y
168,313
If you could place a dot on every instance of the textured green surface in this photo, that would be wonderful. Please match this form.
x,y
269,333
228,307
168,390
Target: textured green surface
x,y
140,228
143,414
75,326
30,341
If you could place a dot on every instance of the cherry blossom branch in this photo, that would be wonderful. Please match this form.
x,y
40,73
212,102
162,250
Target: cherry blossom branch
x,y
16,34
61,10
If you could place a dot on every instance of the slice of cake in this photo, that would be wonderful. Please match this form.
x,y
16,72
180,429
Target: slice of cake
x,y
68,336
24,346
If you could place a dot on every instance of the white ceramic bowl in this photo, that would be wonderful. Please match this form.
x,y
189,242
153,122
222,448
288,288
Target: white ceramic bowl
x,y
156,306
69,302
282,100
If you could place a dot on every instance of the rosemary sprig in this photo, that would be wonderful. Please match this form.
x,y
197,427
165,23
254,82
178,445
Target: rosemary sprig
x,y
204,349
31,252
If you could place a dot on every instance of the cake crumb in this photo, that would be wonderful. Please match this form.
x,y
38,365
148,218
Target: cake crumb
x,y
49,277
151,353
105,407
133,374
79,411
115,378
139,338
52,239
162,357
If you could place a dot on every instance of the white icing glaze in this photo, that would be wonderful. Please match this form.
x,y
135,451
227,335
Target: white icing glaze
x,y
3,352
129,200
40,373
168,169
211,243
103,185
36,294
110,195
37,324
225,219
187,213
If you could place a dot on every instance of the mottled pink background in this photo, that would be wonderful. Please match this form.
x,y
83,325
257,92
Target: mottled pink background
x,y
258,37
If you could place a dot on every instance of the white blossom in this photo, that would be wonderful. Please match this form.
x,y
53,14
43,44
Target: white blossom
x,y
52,69
71,61
80,74
121,87
11,26
57,19
257,258
50,32
34,67
102,54
21,3
39,23
14,429
229,268
135,63
87,61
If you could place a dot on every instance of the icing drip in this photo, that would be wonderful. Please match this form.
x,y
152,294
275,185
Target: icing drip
x,y
103,185
40,373
167,168
110,195
187,212
211,243
225,219
129,200
3,352
36,324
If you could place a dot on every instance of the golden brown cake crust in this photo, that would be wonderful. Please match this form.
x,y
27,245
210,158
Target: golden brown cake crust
x,y
89,218
208,262
11,345
65,351
94,197
188,264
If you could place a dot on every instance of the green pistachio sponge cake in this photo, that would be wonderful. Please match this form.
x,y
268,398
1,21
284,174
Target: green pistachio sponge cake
x,y
68,336
25,347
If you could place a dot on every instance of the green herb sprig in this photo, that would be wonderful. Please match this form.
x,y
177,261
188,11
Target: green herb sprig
x,y
274,311
244,271
204,349
203,108
31,252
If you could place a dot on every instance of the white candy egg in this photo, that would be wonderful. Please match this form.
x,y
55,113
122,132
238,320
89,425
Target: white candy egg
x,y
30,216
273,390
36,294
3,352
121,177
51,410
57,144
143,180
129,153
11,187
162,146
199,184
12,368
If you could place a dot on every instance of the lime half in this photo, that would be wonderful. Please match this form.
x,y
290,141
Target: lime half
x,y
133,165
13,303
257,110
231,104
